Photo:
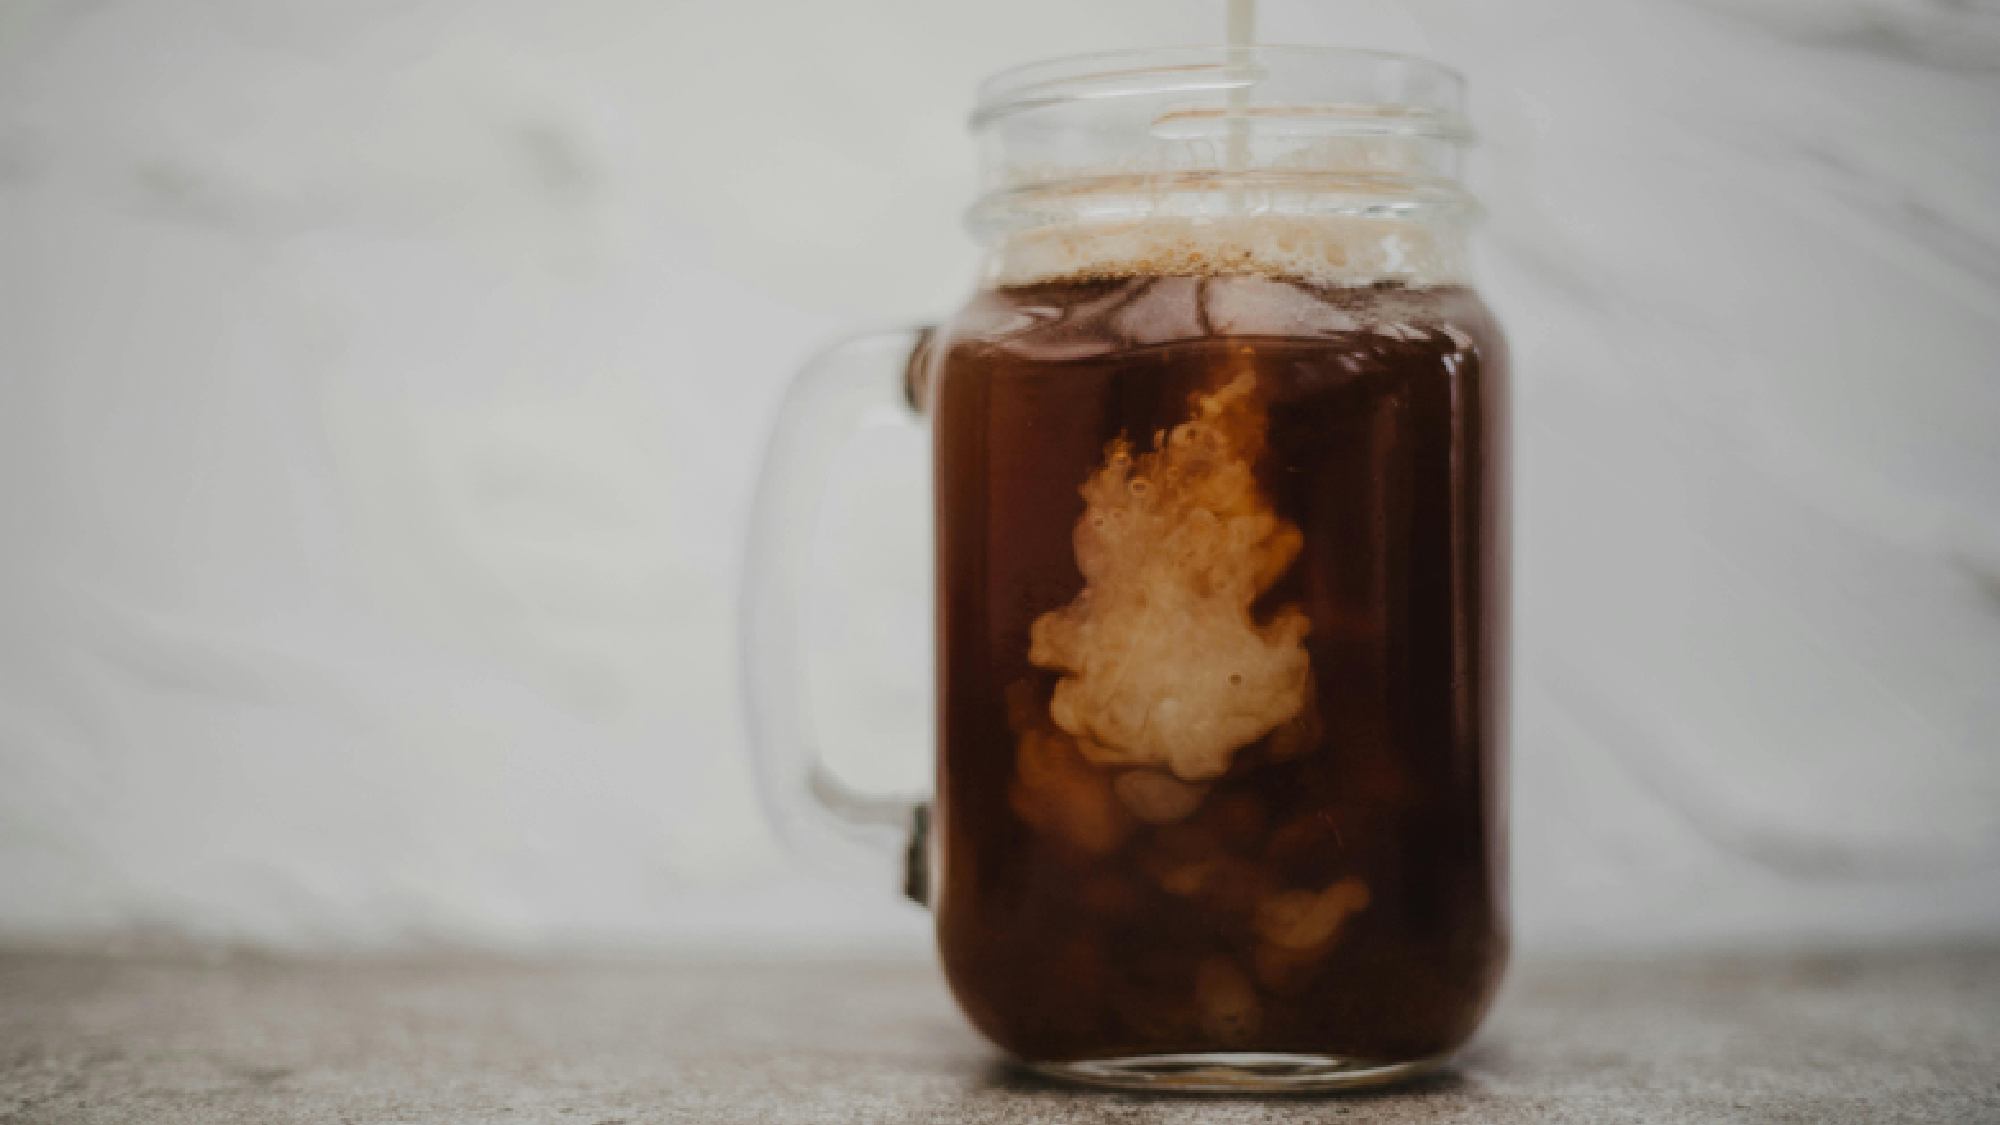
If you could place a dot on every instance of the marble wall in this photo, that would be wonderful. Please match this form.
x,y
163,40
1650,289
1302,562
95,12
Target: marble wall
x,y
381,386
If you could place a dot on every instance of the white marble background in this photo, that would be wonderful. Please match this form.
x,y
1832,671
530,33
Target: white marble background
x,y
381,384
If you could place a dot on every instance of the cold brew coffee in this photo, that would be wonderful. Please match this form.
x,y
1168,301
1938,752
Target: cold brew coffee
x,y
1222,618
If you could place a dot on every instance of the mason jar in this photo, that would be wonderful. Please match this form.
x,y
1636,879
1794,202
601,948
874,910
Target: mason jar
x,y
1220,478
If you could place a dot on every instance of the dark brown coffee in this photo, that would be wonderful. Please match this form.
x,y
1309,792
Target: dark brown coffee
x,y
1223,644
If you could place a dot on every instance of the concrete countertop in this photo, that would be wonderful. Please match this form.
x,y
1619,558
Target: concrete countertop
x,y
1875,1037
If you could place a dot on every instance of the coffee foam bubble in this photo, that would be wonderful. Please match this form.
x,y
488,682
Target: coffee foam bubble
x,y
1325,250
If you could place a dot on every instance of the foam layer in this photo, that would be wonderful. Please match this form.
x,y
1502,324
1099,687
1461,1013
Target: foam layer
x,y
1326,250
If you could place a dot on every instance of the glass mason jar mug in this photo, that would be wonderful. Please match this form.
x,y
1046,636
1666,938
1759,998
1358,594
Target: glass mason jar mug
x,y
1220,478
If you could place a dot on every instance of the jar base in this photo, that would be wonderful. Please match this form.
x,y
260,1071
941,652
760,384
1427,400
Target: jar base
x,y
1236,1072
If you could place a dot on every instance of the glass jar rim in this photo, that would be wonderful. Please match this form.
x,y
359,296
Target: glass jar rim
x,y
1329,162
1428,96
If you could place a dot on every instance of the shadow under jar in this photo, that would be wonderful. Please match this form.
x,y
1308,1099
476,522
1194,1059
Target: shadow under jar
x,y
1220,457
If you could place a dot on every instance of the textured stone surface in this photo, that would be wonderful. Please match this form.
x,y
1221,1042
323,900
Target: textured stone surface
x,y
1830,1038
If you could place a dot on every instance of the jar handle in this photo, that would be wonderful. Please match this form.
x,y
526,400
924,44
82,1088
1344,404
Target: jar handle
x,y
822,818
